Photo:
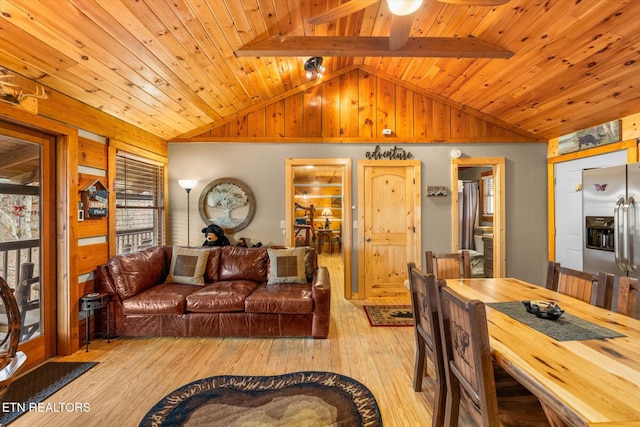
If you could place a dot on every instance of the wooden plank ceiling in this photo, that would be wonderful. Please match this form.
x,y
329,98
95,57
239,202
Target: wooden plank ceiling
x,y
170,66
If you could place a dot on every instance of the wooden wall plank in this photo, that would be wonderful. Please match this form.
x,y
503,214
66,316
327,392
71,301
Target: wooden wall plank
x,y
93,227
293,107
256,124
385,94
349,105
331,108
312,124
354,107
440,122
422,116
92,154
90,256
404,112
367,105
274,115
238,127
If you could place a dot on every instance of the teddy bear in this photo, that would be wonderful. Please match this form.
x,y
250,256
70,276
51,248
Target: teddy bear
x,y
214,236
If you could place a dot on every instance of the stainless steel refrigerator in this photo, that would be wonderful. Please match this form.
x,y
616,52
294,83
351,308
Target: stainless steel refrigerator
x,y
611,239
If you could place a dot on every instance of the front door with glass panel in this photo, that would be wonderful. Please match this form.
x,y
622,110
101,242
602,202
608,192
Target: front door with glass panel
x,y
27,258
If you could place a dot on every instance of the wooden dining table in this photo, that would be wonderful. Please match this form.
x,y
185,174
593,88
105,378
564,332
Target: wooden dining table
x,y
584,382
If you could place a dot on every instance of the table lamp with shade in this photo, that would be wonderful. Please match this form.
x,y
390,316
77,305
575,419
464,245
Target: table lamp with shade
x,y
326,212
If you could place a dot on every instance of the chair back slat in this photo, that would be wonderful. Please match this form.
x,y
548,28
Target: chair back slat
x,y
427,337
449,265
591,288
425,315
628,296
467,357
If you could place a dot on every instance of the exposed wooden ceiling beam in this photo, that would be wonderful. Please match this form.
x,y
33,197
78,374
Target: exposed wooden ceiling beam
x,y
434,47
22,155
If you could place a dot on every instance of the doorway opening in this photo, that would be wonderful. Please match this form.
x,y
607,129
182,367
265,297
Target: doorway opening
x,y
318,209
479,225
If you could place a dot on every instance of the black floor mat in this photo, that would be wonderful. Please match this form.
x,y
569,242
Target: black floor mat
x,y
39,384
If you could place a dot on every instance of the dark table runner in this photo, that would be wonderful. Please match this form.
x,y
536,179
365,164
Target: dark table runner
x,y
566,328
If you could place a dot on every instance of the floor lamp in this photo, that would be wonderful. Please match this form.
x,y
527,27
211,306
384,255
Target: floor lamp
x,y
188,184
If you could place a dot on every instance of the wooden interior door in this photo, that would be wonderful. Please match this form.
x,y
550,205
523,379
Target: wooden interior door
x,y
389,229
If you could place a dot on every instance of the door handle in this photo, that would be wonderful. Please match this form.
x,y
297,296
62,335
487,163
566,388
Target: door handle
x,y
368,239
616,237
629,232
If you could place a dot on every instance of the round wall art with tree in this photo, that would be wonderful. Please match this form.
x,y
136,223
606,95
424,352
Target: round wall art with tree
x,y
228,203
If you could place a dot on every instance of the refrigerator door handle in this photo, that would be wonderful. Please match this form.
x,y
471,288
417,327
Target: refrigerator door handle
x,y
629,230
616,238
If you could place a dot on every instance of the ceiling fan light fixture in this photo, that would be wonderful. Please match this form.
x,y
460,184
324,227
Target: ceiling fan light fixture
x,y
403,7
313,66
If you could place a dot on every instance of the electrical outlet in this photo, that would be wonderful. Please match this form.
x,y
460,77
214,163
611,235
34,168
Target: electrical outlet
x,y
386,131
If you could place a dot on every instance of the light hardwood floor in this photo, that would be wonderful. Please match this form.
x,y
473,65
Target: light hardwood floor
x,y
135,373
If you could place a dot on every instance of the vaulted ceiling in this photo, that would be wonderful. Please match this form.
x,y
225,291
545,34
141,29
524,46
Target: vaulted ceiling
x,y
173,66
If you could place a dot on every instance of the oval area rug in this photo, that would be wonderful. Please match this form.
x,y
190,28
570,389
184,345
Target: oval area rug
x,y
295,399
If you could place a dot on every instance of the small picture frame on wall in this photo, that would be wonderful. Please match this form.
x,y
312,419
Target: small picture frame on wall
x,y
605,133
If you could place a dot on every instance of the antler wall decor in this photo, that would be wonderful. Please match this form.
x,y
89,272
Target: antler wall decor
x,y
18,97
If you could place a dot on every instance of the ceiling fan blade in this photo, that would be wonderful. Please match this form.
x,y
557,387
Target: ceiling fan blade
x,y
340,11
400,30
476,2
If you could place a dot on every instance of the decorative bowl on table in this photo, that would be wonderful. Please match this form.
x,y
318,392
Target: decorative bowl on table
x,y
543,309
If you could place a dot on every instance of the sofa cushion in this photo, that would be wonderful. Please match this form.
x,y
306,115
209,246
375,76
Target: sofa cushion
x,y
188,265
310,262
238,263
220,297
287,298
133,273
211,273
166,298
286,266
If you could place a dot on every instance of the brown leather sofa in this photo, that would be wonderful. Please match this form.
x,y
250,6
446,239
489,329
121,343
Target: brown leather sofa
x,y
234,301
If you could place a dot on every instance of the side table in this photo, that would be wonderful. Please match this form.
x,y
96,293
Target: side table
x,y
91,302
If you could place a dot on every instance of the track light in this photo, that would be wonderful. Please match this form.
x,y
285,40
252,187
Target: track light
x,y
313,66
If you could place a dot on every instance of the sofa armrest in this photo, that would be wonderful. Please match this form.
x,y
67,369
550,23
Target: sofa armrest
x,y
321,293
104,283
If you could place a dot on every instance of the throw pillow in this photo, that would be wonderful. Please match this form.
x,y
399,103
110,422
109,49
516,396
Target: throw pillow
x,y
188,266
286,266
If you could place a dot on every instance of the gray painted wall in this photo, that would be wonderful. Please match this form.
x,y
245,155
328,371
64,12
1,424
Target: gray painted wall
x,y
262,166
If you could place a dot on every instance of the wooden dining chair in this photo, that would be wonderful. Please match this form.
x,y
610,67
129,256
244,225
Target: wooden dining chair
x,y
469,370
449,265
10,358
596,289
28,305
427,338
628,296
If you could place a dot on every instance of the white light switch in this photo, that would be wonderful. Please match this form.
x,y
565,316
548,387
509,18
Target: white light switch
x,y
355,224
282,224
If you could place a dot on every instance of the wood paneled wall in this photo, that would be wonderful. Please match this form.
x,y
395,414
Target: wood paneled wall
x,y
356,106
62,116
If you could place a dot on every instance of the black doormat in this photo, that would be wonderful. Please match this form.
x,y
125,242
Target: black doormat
x,y
34,387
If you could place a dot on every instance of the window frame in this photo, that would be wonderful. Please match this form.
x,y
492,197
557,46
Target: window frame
x,y
160,226
487,200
